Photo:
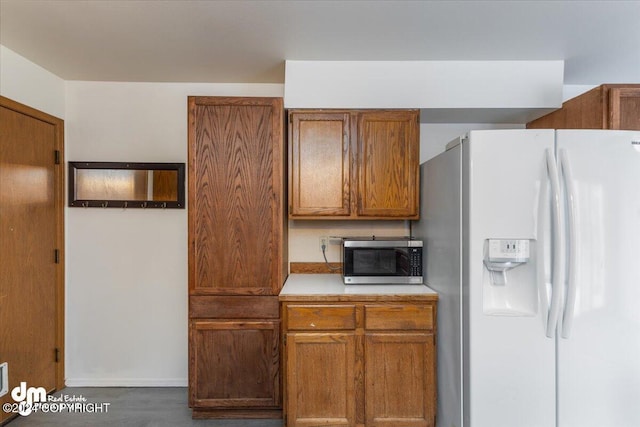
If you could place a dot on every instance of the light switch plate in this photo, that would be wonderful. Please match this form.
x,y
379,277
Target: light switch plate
x,y
4,378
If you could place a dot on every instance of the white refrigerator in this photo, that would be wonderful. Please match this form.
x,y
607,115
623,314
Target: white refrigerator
x,y
532,239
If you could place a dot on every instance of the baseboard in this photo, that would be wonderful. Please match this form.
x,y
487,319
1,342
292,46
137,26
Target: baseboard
x,y
126,382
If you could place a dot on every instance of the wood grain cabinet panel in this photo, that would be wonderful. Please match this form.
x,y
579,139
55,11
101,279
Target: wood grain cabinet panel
x,y
388,164
398,317
373,364
234,364
236,200
624,108
321,379
353,164
237,255
608,106
399,379
321,317
320,157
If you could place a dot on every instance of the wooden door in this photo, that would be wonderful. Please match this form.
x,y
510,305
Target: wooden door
x,y
31,226
320,164
236,200
234,364
388,164
400,379
321,379
624,108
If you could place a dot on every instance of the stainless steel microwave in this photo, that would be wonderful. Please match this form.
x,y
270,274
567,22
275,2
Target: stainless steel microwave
x,y
381,260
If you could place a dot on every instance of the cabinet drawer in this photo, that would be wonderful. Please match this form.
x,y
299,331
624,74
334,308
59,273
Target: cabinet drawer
x,y
321,317
410,317
233,307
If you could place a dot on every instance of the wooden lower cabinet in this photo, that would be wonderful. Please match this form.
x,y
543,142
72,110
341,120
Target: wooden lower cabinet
x,y
321,379
399,379
359,364
234,365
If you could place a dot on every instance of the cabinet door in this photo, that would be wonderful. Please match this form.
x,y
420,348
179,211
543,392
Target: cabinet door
x,y
399,379
234,364
624,108
388,164
319,156
321,379
236,196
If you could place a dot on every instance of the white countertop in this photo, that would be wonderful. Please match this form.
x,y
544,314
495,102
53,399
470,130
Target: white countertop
x,y
331,284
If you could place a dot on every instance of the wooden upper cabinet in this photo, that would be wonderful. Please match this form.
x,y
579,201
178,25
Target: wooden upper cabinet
x,y
388,164
608,106
353,164
624,108
236,196
320,158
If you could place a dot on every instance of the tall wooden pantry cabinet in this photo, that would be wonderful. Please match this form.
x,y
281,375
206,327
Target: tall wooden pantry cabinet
x,y
237,255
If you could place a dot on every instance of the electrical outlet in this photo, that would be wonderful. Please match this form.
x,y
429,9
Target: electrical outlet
x,y
324,241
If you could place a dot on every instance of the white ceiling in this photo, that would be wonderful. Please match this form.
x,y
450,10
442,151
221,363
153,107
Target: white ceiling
x,y
248,41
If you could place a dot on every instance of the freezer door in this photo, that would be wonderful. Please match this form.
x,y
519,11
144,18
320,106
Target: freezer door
x,y
599,350
439,228
509,362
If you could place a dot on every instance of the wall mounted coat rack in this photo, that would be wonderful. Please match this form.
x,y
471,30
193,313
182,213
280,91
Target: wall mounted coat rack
x,y
126,185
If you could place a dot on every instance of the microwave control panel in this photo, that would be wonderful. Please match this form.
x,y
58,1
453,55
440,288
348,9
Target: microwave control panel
x,y
415,259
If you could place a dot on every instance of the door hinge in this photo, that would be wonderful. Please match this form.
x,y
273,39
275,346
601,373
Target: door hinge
x,y
56,153
56,256
57,353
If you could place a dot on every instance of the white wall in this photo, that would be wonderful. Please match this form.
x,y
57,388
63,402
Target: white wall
x,y
23,81
423,84
127,269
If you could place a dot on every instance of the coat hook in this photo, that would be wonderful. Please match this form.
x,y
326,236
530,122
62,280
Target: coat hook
x,y
105,204
85,204
125,204
144,205
164,205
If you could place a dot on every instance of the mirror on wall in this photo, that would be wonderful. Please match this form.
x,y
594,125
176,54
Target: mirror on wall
x,y
126,185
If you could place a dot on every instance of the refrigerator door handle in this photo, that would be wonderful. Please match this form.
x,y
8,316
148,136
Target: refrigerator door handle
x,y
557,244
570,194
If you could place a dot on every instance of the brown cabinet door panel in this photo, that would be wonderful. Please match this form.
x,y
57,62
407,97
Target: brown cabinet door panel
x,y
624,108
234,364
321,379
319,158
388,164
236,216
399,379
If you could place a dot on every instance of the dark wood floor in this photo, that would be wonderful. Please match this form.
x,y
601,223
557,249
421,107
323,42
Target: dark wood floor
x,y
129,407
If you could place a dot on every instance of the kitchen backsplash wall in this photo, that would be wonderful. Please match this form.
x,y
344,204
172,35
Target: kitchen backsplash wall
x,y
304,236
